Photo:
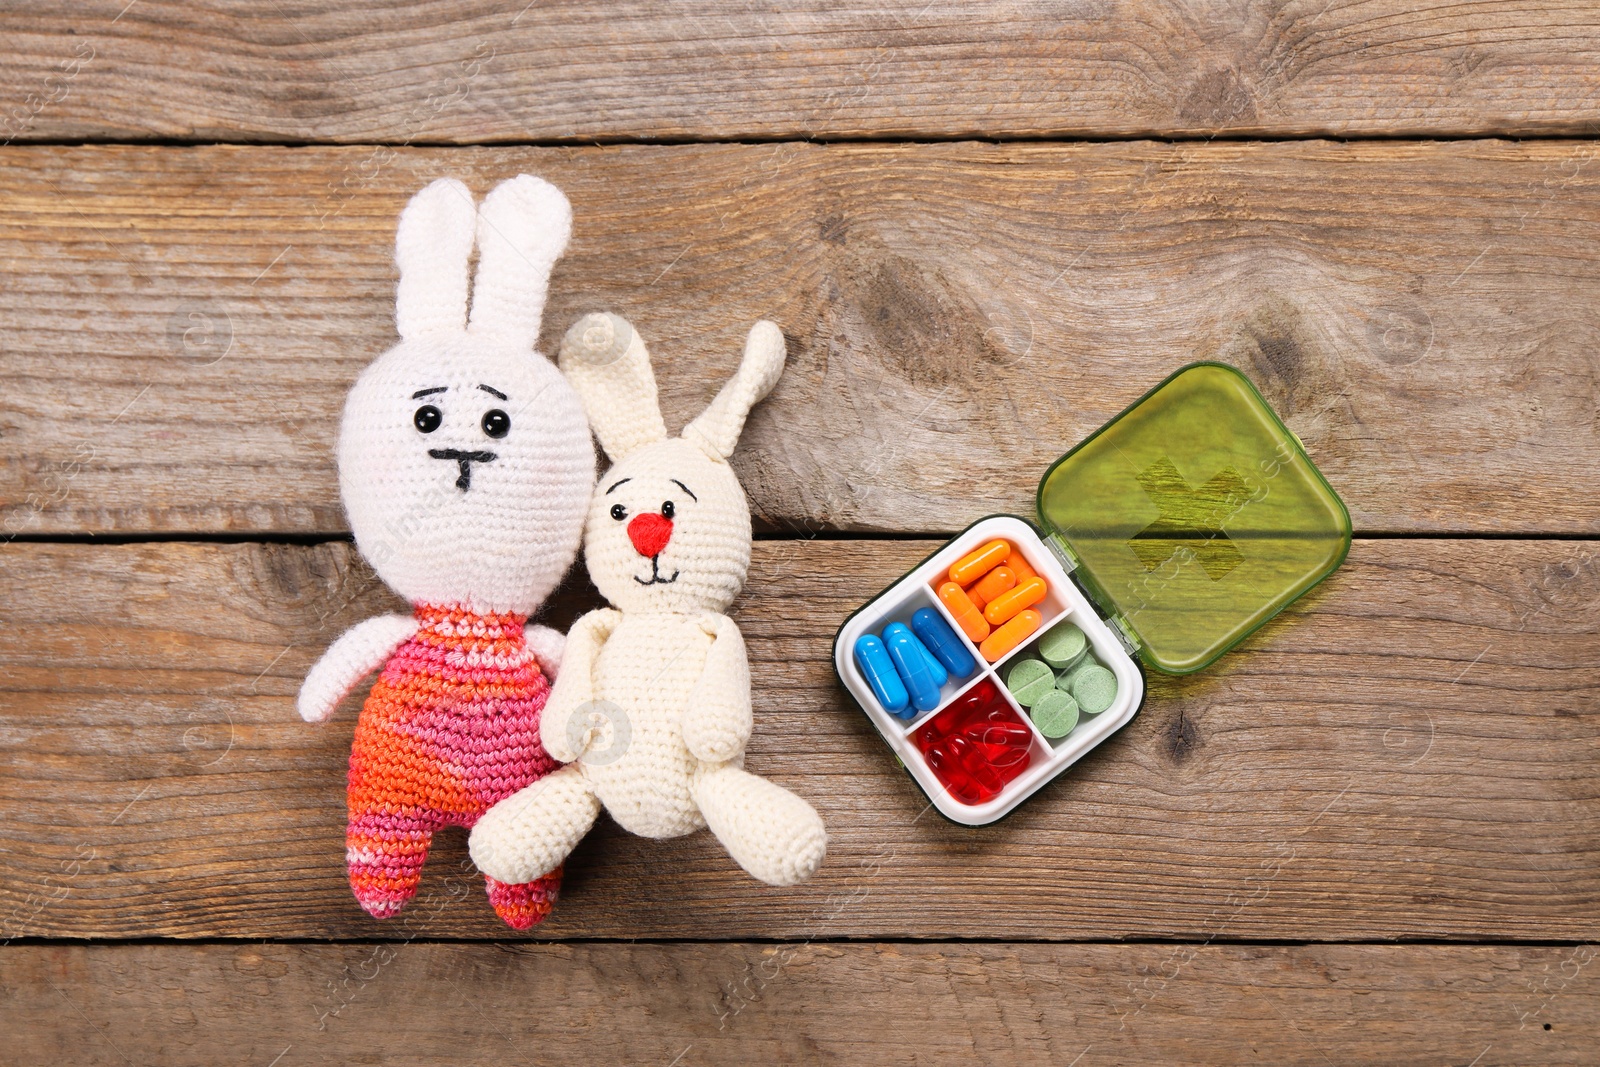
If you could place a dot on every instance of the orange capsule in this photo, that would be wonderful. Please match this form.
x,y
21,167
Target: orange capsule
x,y
977,601
1012,634
975,565
991,585
967,616
1023,595
1019,566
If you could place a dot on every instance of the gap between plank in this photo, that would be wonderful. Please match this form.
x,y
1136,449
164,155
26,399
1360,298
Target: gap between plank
x,y
618,141
554,942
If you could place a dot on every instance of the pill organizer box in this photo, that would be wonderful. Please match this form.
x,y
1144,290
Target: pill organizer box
x,y
1167,537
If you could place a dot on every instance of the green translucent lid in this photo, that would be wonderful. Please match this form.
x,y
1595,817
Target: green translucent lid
x,y
1194,517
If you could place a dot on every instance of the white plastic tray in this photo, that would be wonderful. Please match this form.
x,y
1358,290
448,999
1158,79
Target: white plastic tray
x,y
1064,601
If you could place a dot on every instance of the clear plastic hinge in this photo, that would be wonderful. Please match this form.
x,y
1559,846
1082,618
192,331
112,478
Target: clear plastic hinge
x,y
1124,634
1059,549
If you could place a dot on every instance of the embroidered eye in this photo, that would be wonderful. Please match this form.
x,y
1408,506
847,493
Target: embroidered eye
x,y
427,418
618,512
668,510
496,423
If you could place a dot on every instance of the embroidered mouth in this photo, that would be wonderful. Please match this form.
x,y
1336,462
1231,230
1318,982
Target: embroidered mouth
x,y
465,460
655,574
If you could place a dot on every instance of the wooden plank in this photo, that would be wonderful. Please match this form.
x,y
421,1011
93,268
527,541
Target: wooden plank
x,y
476,71
1408,753
988,1004
182,324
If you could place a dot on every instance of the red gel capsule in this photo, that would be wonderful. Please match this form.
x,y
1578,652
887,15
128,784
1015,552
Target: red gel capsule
x,y
983,693
977,766
1002,745
954,777
972,793
997,713
939,727
971,704
1003,738
952,718
1015,769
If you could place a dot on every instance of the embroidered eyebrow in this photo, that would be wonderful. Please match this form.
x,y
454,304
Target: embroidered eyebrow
x,y
420,393
616,483
685,488
495,392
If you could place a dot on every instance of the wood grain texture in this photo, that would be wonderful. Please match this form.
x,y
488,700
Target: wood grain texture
x,y
181,325
997,1005
1409,752
463,71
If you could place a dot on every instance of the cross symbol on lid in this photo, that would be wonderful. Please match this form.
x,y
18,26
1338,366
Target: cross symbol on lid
x,y
1191,518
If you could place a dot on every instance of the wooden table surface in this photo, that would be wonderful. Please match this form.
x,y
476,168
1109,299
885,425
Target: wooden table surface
x,y
1371,835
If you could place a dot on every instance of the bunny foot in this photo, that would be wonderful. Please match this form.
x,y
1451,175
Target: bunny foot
x,y
384,853
773,834
524,904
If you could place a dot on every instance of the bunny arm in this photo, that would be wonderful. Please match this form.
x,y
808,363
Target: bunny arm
x,y
718,718
575,686
358,652
547,646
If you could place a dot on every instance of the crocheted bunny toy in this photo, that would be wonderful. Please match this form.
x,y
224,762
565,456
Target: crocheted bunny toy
x,y
653,702
466,466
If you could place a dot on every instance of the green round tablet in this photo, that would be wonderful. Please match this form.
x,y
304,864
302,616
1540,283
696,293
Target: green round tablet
x,y
1064,679
1029,679
1094,687
1055,714
1063,645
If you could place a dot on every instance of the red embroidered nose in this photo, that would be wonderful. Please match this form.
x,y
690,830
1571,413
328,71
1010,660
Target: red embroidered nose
x,y
650,533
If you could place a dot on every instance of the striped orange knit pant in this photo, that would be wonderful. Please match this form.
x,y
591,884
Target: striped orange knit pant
x,y
450,728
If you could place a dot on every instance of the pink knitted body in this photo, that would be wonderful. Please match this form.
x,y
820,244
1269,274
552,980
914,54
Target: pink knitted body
x,y
450,728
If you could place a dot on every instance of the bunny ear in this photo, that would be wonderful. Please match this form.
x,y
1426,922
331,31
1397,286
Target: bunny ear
x,y
718,427
604,359
431,248
523,228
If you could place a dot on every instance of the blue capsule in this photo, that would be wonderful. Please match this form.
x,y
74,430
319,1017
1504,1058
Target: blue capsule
x,y
915,664
876,667
940,675
942,641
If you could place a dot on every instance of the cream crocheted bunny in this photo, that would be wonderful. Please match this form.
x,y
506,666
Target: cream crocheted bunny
x,y
663,673
466,468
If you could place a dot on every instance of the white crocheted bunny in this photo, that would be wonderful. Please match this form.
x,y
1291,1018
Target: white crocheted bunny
x,y
663,673
466,467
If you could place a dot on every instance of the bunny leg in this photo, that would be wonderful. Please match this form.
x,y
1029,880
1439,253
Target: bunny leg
x,y
525,903
771,833
385,851
528,834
